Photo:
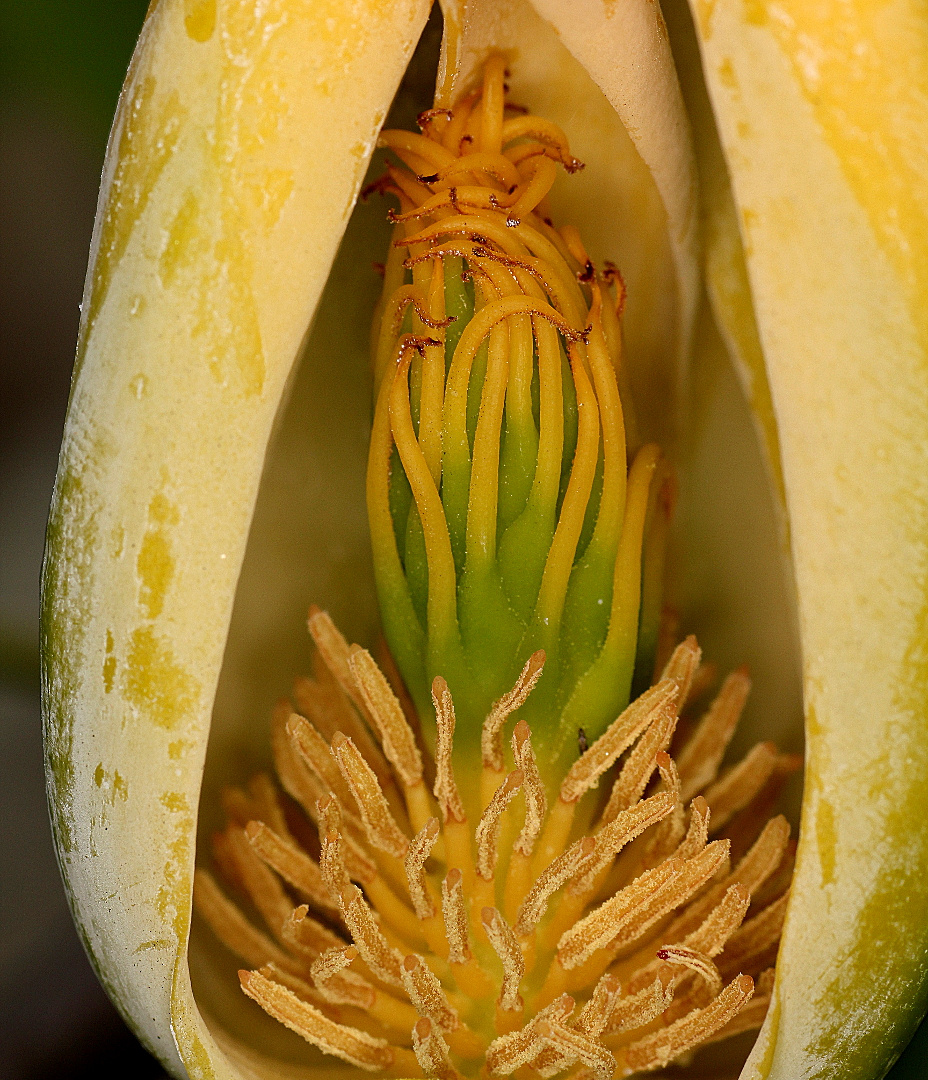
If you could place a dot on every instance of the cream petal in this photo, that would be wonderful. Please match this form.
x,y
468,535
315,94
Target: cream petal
x,y
822,118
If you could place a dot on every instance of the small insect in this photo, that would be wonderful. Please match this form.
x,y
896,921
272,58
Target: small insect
x,y
582,744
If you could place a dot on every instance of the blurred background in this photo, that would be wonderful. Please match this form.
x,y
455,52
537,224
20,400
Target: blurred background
x,y
63,62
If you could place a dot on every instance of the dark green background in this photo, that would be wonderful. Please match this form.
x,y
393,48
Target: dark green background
x,y
63,62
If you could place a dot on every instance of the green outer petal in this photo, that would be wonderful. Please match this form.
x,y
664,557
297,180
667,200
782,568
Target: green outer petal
x,y
215,235
822,119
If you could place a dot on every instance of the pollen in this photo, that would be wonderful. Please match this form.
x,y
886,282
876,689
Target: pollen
x,y
514,845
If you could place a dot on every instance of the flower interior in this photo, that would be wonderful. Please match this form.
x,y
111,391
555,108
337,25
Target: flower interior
x,y
507,845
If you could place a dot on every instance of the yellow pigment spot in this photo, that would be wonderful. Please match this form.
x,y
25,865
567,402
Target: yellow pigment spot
x,y
109,664
154,683
177,749
200,19
181,246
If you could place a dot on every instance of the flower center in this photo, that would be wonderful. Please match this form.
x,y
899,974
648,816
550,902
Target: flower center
x,y
475,904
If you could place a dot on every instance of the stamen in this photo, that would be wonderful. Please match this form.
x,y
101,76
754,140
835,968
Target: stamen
x,y
290,861
658,1050
517,1048
339,985
487,832
315,753
682,666
230,925
383,960
304,935
695,961
638,769
603,924
700,758
446,788
426,994
553,878
735,790
536,801
491,741
419,851
585,772
431,1051
382,830
636,1010
396,736
356,1047
597,1012
755,938
573,1046
455,912
261,884
506,946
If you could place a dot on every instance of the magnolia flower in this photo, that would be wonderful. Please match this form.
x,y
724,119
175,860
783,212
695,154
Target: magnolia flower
x,y
238,153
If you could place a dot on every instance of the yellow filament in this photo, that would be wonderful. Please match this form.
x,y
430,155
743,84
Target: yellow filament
x,y
543,174
457,125
484,483
431,401
494,166
410,143
493,102
442,599
612,501
560,559
522,127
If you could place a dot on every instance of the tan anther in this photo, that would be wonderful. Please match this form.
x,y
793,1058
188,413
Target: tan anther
x,y
446,788
264,794
379,955
636,1010
506,946
695,874
536,800
337,984
572,1046
332,864
595,1015
552,878
702,754
334,650
315,753
751,872
290,861
697,834
619,832
454,910
331,823
755,939
356,1047
752,1015
262,884
426,993
604,923
236,805
396,736
736,788
641,762
491,739
682,666
487,832
301,988
382,830
431,1051
419,851
585,772
517,1048
694,961
297,780
307,936
230,925
658,1050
